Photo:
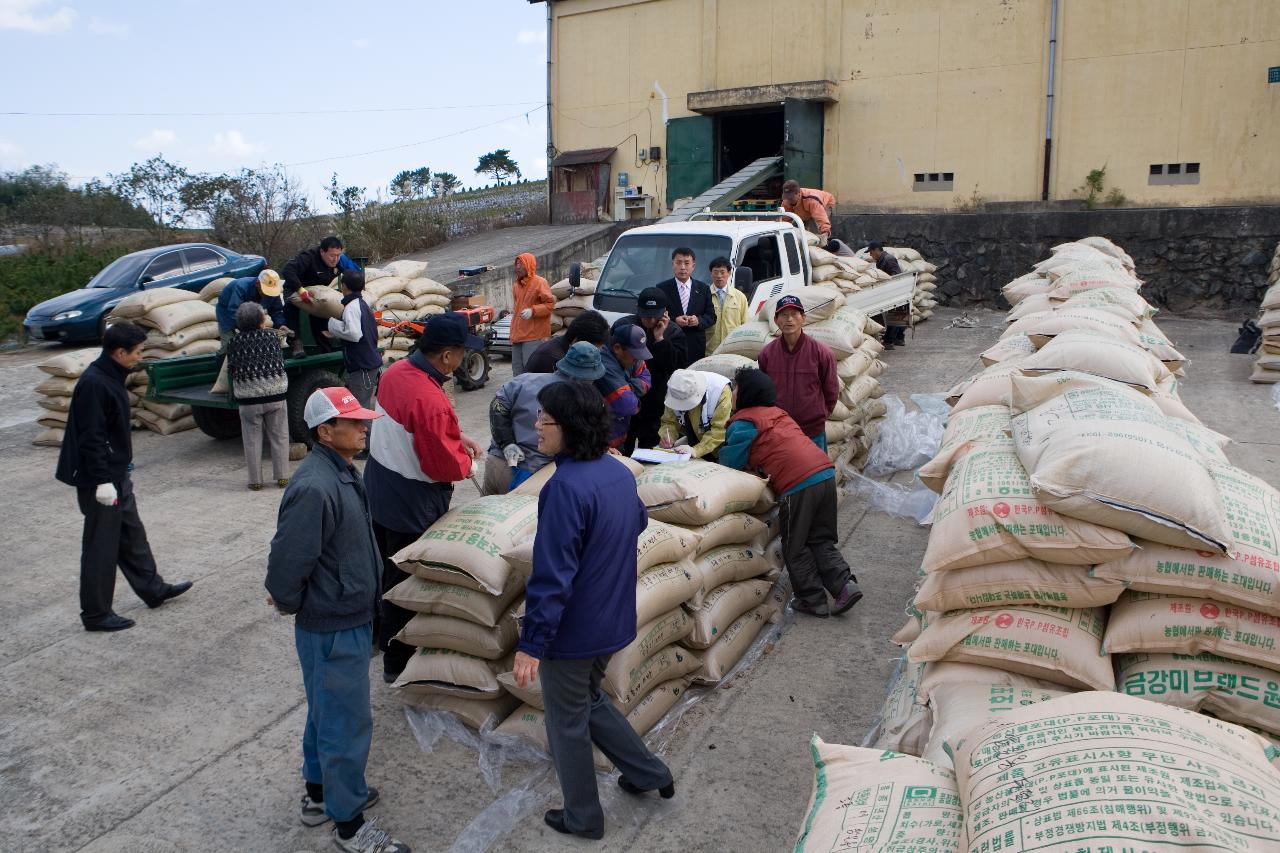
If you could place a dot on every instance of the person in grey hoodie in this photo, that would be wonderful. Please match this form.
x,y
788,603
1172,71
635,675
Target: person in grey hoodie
x,y
324,570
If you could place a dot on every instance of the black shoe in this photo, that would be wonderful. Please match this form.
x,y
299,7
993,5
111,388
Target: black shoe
x,y
819,610
554,818
172,590
112,622
666,791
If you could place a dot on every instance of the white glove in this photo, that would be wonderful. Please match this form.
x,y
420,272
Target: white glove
x,y
526,314
683,450
514,454
106,495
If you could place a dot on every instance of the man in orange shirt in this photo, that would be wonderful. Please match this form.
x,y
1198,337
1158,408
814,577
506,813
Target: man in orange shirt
x,y
531,306
812,206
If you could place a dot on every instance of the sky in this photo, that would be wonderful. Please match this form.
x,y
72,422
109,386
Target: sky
x,y
149,65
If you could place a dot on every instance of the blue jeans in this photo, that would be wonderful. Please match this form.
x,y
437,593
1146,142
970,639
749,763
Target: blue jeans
x,y
335,743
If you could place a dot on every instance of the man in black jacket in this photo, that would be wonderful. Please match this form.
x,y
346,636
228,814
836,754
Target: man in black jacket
x,y
325,569
669,345
97,452
311,267
689,302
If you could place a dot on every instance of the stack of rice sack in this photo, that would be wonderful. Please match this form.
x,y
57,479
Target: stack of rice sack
x,y
53,394
851,336
923,300
849,275
402,291
1267,368
570,301
211,291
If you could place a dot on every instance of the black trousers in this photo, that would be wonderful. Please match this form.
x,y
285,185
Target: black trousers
x,y
810,543
114,536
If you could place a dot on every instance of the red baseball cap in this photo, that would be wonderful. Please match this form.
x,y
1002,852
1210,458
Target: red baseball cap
x,y
325,404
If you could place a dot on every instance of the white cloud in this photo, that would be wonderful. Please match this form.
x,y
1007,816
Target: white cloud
x,y
232,143
32,16
531,37
10,154
156,140
103,27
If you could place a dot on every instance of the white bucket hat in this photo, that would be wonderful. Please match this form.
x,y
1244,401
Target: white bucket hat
x,y
685,390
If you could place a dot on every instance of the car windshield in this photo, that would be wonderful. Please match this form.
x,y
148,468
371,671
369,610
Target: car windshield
x,y
122,272
638,261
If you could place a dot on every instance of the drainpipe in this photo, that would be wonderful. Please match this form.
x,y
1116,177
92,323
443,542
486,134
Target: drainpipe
x,y
550,141
1048,110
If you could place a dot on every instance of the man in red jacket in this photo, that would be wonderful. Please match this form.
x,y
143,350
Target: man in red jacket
x,y
804,371
416,453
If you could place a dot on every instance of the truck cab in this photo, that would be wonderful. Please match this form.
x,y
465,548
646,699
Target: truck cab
x,y
768,253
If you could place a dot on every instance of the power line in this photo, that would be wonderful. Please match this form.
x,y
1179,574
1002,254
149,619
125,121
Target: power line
x,y
267,112
525,114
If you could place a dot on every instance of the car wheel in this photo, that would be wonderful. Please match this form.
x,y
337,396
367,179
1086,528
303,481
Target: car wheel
x,y
473,373
217,423
300,388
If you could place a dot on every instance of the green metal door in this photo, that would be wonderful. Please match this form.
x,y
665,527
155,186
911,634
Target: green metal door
x,y
690,164
802,141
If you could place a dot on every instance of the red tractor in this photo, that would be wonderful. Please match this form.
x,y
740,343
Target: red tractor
x,y
473,373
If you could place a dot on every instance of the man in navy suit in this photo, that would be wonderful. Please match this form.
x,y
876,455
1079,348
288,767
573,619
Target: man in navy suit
x,y
689,303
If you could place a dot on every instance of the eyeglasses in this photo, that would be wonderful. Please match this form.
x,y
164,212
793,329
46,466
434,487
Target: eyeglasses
x,y
543,422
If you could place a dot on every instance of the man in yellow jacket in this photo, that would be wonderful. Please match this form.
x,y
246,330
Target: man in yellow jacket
x,y
729,302
699,405
531,305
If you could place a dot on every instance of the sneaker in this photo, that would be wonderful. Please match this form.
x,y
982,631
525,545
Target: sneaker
x,y
818,610
313,814
255,487
369,839
848,597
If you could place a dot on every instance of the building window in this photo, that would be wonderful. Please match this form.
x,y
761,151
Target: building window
x,y
1168,174
1273,74
933,181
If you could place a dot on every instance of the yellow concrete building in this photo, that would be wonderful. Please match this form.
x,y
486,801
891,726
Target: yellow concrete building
x,y
923,104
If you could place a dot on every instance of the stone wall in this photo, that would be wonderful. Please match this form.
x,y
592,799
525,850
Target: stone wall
x,y
1190,258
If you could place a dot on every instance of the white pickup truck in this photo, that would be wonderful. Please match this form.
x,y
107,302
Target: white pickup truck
x,y
767,250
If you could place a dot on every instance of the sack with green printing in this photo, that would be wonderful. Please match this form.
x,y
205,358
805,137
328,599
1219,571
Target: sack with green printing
x,y
1015,582
696,492
466,544
1178,624
1229,690
958,708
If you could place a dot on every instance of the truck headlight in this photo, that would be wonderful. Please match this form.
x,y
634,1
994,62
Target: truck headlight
x,y
66,315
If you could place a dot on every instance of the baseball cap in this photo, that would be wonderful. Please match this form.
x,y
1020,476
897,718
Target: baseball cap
x,y
633,339
651,302
685,390
448,330
788,301
269,283
325,404
582,361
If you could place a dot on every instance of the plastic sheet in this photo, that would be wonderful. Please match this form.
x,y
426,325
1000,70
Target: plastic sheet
x,y
914,501
909,437
1275,395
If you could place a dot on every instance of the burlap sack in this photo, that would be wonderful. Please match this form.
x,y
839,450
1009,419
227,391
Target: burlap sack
x,y
1050,643
137,305
57,386
533,485
183,337
1154,341
860,389
736,528
665,586
562,289
669,662
966,429
1102,244
721,607
465,545
211,291
461,635
52,420
326,302
1086,278
1023,286
529,724
665,543
988,513
406,268
445,599
1033,304
49,438
988,388
1249,576
394,302
168,411
872,800
725,365
627,665
1018,346
1204,441
747,340
904,720
1015,582
162,425
729,564
820,303
735,640
696,492
1149,622
69,365
1172,406
483,715
201,347
1046,324
1098,771
530,694
958,708
1229,690
168,319
1121,301
416,288
445,672
853,366
1098,355
650,710
844,332
59,404
943,673
1106,454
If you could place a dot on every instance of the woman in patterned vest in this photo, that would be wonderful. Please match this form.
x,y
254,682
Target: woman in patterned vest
x,y
255,363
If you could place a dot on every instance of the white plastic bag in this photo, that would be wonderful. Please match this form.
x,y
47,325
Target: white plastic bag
x,y
908,437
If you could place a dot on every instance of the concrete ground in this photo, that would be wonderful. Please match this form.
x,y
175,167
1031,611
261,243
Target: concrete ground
x,y
183,733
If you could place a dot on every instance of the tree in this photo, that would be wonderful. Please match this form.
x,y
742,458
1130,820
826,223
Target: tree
x,y
445,183
156,186
255,210
346,199
499,164
411,183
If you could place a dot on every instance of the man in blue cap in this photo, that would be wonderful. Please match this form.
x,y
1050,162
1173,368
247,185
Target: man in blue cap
x,y
416,454
513,454
626,378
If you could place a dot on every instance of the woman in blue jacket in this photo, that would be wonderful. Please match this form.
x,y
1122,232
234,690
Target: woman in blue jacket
x,y
580,606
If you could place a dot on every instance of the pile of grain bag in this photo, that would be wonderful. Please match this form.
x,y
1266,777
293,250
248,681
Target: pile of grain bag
x,y
1267,368
851,336
571,301
53,394
401,291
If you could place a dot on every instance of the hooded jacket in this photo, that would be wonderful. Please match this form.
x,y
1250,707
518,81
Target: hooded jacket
x,y
96,446
532,292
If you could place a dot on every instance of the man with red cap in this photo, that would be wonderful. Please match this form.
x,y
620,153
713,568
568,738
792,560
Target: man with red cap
x,y
804,371
324,570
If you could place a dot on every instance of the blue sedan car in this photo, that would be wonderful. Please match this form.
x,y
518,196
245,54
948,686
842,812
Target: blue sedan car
x,y
80,316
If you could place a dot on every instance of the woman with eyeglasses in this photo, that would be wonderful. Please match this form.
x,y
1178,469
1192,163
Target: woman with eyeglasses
x,y
580,606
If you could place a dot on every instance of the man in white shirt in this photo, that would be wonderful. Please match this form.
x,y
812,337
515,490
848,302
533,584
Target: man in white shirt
x,y
693,297
358,331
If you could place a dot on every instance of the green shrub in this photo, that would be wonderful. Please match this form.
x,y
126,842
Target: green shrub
x,y
34,276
